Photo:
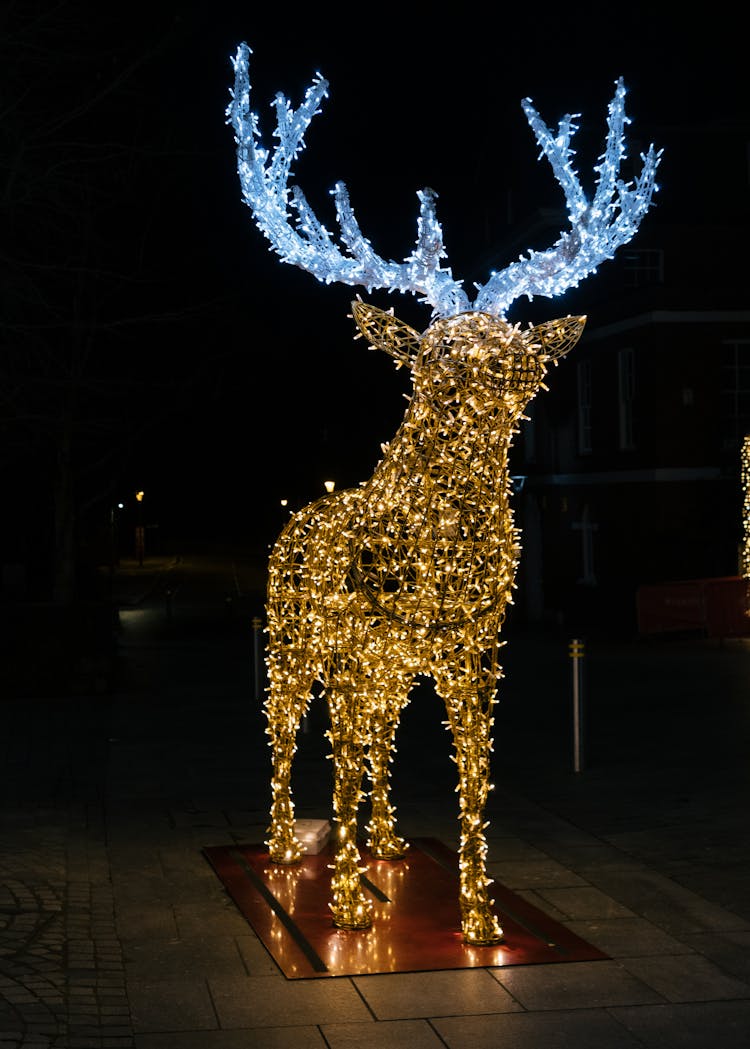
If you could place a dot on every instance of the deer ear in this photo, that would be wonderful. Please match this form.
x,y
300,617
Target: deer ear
x,y
386,332
556,337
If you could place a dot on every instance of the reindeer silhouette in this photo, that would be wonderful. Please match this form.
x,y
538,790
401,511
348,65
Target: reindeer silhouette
x,y
410,573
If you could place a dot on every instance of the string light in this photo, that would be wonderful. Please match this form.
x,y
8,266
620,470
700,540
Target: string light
x,y
598,226
411,573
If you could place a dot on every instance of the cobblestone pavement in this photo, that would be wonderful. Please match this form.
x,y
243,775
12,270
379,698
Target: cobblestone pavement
x,y
62,979
115,933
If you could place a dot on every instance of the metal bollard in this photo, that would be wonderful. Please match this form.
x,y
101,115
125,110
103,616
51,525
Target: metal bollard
x,y
576,652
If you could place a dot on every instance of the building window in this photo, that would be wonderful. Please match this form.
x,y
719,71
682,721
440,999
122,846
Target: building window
x,y
735,393
625,393
642,267
529,434
584,407
587,528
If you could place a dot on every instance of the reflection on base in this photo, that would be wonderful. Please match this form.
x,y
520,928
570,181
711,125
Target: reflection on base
x,y
417,924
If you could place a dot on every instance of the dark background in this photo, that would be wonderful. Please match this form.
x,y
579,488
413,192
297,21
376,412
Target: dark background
x,y
143,306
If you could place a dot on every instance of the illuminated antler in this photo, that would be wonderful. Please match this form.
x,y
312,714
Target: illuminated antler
x,y
598,227
306,242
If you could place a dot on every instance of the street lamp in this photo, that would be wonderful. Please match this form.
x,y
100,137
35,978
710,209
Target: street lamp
x,y
114,538
140,532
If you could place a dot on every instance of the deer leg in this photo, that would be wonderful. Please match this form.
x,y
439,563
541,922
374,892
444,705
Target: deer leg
x,y
470,720
287,701
383,841
350,907
283,846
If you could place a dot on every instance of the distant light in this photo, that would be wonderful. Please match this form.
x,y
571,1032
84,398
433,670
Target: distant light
x,y
329,486
139,496
284,502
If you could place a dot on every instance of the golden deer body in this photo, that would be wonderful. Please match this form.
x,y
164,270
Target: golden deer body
x,y
411,573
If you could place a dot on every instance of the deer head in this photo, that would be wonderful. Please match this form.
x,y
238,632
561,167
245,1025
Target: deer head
x,y
474,359
598,227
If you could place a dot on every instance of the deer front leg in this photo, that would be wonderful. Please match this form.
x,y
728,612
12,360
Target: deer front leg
x,y
285,706
350,908
383,841
283,845
470,721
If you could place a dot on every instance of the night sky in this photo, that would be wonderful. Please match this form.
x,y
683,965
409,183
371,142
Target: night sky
x,y
243,371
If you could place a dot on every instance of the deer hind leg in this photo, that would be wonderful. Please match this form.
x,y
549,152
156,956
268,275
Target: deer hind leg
x,y
470,718
383,841
350,907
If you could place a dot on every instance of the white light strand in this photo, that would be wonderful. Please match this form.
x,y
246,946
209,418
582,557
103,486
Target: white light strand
x,y
598,227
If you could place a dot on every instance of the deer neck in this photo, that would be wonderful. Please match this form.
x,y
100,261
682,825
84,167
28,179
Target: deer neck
x,y
452,457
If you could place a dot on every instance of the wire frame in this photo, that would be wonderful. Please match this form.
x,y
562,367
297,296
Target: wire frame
x,y
408,574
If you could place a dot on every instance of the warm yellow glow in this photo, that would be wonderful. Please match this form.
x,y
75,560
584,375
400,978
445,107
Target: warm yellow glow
x,y
139,496
329,486
408,574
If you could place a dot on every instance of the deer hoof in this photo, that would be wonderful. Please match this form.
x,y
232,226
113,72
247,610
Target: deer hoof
x,y
393,848
285,850
481,929
350,908
354,914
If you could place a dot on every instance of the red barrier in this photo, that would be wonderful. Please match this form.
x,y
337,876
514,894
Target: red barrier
x,y
715,607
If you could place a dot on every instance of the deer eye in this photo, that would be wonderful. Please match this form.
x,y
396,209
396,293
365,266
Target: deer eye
x,y
527,372
520,371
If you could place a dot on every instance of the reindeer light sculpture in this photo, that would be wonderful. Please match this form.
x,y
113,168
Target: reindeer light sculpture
x,y
410,573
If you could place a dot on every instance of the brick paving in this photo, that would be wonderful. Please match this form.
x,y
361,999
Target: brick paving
x,y
114,931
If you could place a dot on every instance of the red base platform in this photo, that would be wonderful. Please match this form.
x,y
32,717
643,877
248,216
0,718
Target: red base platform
x,y
416,926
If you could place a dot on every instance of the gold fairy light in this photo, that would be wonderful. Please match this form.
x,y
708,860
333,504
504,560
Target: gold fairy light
x,y
408,574
411,573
